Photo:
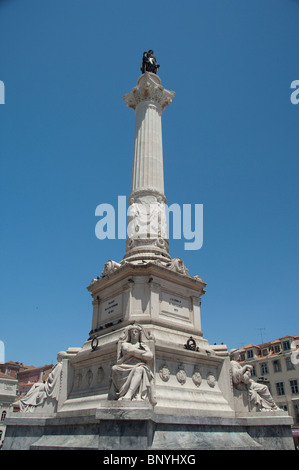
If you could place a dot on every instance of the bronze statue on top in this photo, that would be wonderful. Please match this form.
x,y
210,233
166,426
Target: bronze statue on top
x,y
149,63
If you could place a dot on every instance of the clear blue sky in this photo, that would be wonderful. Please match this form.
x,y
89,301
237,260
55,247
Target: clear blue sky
x,y
230,142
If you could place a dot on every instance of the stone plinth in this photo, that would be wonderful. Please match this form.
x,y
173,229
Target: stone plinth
x,y
122,428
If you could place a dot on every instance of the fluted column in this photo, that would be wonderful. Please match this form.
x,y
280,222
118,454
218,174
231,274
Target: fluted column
x,y
147,233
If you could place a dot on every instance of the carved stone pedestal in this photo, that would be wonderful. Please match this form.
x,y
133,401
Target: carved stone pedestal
x,y
184,397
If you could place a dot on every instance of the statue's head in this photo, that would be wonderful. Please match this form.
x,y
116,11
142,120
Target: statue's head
x,y
134,333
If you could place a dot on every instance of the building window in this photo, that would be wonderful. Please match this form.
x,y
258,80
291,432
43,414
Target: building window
x,y
253,372
277,348
286,345
250,354
264,352
294,386
3,415
242,357
264,368
277,366
280,388
289,364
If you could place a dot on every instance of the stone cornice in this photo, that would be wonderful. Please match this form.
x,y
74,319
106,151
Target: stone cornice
x,y
151,268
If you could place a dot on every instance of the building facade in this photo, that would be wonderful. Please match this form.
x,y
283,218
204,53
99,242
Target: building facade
x,y
8,394
276,364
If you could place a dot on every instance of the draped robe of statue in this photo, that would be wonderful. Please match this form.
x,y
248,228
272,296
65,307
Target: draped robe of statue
x,y
33,398
131,377
259,394
39,392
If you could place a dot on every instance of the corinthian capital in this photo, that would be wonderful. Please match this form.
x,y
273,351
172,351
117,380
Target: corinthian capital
x,y
149,88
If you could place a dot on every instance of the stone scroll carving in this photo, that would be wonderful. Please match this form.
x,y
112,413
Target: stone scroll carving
x,y
40,392
258,395
132,376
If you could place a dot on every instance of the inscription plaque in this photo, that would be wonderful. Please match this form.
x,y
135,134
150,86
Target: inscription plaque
x,y
176,306
111,307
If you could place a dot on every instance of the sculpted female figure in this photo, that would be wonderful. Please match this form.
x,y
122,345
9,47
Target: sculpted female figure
x,y
39,392
259,394
131,377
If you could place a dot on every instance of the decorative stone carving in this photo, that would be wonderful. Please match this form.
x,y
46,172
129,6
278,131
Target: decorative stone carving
x,y
149,88
258,394
196,377
178,266
211,379
181,375
164,373
110,267
132,376
39,392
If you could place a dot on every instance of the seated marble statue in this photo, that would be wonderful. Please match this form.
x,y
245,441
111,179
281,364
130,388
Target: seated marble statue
x,y
131,377
259,394
33,398
39,392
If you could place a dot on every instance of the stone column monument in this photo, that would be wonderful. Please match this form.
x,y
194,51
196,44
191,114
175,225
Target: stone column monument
x,y
146,378
147,223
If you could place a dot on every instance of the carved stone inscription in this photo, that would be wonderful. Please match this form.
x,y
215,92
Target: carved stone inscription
x,y
176,306
111,307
